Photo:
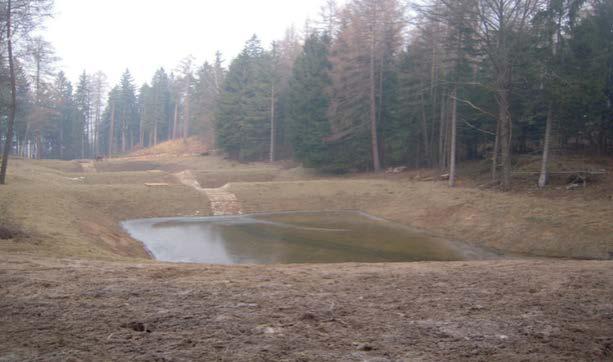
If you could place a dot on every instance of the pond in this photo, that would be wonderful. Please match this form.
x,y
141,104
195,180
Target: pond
x,y
292,237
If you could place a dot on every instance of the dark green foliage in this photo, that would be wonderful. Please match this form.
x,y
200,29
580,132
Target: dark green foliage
x,y
83,113
561,61
308,104
207,90
155,104
243,113
64,119
586,109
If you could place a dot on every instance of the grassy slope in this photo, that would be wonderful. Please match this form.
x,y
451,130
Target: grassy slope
x,y
63,216
83,309
72,217
511,222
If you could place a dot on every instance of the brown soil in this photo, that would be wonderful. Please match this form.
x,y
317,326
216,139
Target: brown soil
x,y
74,286
6,233
503,310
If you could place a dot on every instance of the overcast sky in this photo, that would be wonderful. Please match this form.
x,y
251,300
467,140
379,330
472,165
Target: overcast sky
x,y
143,35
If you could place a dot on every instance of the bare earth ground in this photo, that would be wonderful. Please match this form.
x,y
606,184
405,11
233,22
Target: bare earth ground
x,y
74,286
504,310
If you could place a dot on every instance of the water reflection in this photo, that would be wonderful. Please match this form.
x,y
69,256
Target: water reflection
x,y
313,237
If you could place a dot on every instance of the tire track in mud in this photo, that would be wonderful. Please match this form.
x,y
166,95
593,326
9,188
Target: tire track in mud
x,y
223,202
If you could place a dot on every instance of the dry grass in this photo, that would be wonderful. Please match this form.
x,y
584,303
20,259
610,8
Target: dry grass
x,y
179,147
64,212
63,215
510,222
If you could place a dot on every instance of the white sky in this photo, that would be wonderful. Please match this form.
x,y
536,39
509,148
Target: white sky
x,y
143,35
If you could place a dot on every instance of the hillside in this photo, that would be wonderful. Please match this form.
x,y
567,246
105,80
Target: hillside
x,y
75,285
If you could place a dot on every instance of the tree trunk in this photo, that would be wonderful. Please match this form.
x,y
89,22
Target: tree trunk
x,y
441,134
13,104
186,115
424,127
495,152
123,138
82,142
39,145
141,131
452,153
61,141
381,142
505,138
98,120
155,133
543,178
273,130
176,120
373,110
112,129
433,98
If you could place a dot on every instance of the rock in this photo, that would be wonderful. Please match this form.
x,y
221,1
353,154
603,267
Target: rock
x,y
246,305
363,346
308,316
267,329
6,234
136,326
377,359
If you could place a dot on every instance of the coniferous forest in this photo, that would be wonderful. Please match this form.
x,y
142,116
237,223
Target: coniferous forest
x,y
370,84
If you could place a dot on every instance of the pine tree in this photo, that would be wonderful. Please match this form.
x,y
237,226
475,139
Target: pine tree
x,y
127,111
369,36
308,103
63,119
207,91
243,123
83,108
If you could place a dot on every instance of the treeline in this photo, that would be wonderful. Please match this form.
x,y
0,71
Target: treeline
x,y
58,120
466,79
372,84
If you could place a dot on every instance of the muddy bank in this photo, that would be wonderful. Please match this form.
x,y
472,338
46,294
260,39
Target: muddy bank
x,y
503,310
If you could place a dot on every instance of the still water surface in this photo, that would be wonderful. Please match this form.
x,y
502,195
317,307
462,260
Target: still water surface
x,y
305,237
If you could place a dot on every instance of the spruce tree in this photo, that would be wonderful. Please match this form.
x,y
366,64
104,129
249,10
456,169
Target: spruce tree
x,y
308,103
243,124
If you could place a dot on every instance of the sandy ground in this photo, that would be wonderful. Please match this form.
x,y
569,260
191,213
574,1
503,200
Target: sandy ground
x,y
74,286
